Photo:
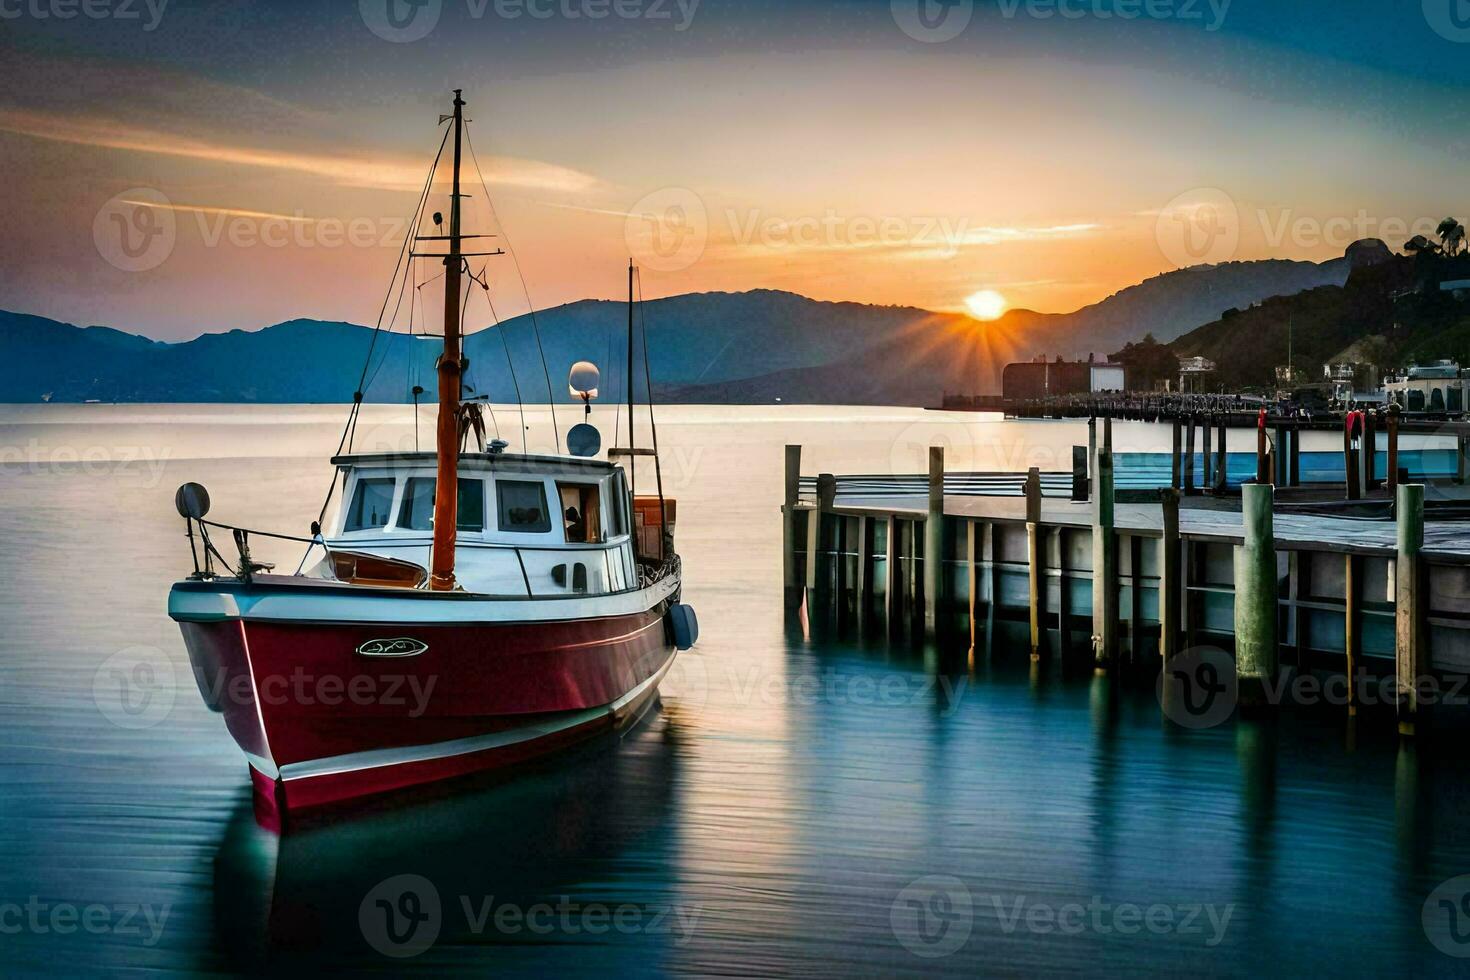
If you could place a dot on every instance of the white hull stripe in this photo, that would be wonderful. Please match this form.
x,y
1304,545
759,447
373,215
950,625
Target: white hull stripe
x,y
305,607
377,758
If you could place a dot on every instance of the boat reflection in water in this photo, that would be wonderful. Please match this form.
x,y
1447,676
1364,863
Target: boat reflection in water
x,y
461,866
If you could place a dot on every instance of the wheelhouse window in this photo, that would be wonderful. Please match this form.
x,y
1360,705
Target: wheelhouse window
x,y
618,506
417,510
372,505
522,505
581,514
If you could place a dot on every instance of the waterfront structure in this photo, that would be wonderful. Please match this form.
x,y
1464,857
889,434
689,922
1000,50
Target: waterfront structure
x,y
1438,388
1194,374
1046,379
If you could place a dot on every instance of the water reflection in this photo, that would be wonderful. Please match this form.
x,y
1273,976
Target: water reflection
x,y
541,836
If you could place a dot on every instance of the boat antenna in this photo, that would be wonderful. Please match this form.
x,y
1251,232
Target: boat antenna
x,y
450,370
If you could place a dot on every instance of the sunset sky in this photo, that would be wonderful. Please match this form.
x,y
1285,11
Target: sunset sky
x,y
727,144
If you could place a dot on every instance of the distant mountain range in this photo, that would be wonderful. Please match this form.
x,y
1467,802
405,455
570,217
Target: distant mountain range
x,y
752,347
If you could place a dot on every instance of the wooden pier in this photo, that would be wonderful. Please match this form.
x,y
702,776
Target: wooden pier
x,y
983,565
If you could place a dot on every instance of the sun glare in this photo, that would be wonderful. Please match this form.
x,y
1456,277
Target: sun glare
x,y
987,304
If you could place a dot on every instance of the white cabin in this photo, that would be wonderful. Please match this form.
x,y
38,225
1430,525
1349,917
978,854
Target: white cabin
x,y
528,525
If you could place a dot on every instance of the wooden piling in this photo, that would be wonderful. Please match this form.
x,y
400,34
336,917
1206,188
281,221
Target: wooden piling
x,y
1294,458
1367,452
1176,458
893,579
975,539
1263,469
1255,597
790,577
1352,594
1207,459
863,587
1222,475
1189,455
1104,566
934,544
1349,460
1408,603
1034,564
1171,590
818,532
1393,449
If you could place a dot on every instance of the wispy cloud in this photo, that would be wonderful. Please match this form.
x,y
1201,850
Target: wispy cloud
x,y
375,170
226,212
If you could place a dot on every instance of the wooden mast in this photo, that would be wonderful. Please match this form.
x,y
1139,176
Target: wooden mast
x,y
632,457
446,490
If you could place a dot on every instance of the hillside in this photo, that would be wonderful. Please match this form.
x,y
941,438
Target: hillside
x,y
757,346
1390,314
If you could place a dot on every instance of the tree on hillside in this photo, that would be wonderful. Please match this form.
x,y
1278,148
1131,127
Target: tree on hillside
x,y
1419,245
1147,363
1451,235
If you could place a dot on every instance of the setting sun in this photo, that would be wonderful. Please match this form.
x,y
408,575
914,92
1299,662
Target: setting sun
x,y
987,304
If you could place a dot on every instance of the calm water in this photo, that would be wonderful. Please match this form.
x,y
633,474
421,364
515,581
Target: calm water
x,y
795,807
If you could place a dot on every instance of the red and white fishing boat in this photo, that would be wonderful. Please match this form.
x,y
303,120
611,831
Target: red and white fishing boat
x,y
468,609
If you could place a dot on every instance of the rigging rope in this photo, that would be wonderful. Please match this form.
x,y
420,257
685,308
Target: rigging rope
x,y
516,262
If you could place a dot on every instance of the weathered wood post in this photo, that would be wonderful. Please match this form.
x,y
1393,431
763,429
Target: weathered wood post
x,y
1393,449
1207,458
1352,594
1222,475
893,579
1079,474
1255,596
1368,451
1263,469
818,533
1091,448
1408,603
1176,457
1349,456
1104,566
790,577
934,544
1171,591
1034,566
1294,463
863,587
1189,455
975,539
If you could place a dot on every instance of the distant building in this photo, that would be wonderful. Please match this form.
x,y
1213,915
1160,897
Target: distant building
x,y
1438,388
1352,383
1048,379
1194,373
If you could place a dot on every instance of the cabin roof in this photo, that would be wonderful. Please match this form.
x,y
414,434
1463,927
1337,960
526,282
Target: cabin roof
x,y
480,462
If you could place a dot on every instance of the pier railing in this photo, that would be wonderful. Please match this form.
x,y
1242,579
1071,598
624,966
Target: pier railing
x,y
956,557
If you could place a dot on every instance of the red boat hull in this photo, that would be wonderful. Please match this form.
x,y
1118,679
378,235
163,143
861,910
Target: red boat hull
x,y
322,721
